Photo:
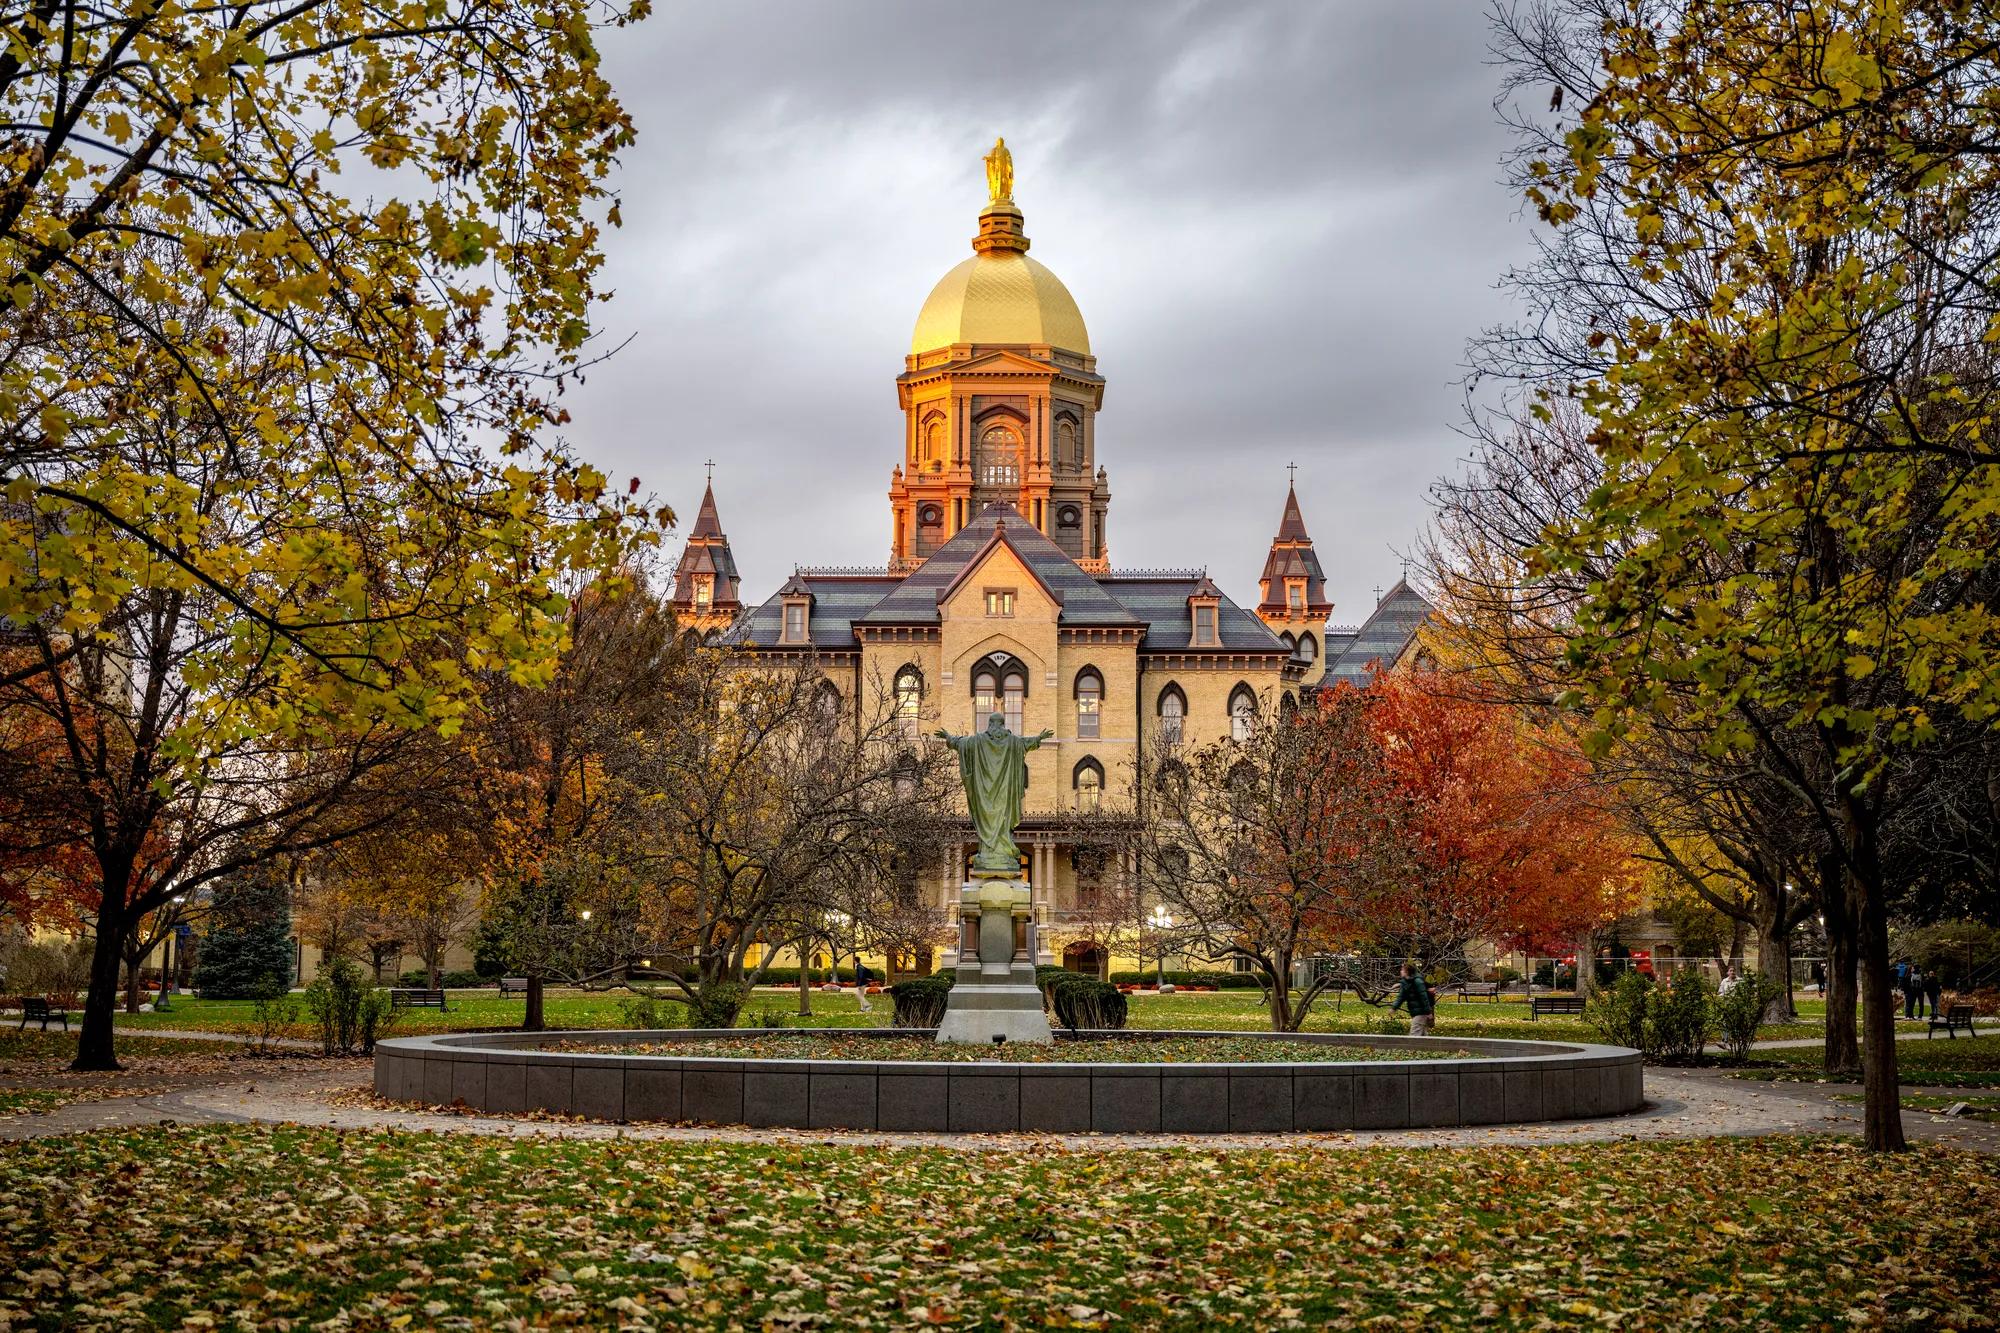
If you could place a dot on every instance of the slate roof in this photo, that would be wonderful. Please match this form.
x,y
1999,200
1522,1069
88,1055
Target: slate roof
x,y
915,599
1382,638
1156,605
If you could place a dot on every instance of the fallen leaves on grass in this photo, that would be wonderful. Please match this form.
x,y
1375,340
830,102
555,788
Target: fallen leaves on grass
x,y
288,1227
1138,1050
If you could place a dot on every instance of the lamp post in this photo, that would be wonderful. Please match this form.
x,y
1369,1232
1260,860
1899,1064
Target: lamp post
x,y
1162,921
167,953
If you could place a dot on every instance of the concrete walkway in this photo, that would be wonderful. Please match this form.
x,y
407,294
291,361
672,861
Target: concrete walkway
x,y
1682,1104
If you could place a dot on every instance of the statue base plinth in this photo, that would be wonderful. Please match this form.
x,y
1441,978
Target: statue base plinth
x,y
995,995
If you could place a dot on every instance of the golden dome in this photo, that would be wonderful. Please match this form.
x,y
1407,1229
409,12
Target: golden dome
x,y
1000,295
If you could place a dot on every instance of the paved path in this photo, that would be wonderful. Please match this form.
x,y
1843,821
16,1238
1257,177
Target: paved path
x,y
1681,1104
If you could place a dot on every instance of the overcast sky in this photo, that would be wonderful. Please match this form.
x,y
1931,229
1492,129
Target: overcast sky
x,y
1281,221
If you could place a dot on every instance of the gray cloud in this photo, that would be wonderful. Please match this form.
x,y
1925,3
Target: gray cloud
x,y
1281,223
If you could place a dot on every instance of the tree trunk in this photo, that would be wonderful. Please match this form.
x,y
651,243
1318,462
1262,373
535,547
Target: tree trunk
x,y
1586,964
94,1049
1774,954
531,1016
805,981
431,961
132,980
1843,1046
1881,1093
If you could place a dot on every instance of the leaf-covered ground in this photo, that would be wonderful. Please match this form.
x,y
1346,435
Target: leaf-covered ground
x,y
283,1227
1176,1050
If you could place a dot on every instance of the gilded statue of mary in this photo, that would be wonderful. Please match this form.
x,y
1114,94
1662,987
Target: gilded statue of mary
x,y
1000,173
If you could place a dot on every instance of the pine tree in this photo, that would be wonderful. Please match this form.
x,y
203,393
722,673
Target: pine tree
x,y
247,949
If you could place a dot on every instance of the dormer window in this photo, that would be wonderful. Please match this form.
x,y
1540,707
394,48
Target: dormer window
x,y
1204,625
704,591
795,622
1295,598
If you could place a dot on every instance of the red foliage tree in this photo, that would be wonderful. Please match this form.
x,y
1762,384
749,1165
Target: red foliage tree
x,y
1509,840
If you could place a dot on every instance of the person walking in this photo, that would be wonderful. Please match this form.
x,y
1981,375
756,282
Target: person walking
x,y
1913,991
1934,991
1819,976
1730,982
1417,996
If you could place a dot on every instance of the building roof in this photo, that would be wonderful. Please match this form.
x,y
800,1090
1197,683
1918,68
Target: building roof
x,y
706,553
1000,296
707,523
1382,638
1292,557
1154,604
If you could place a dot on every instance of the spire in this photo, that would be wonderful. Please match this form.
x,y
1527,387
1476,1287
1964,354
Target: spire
x,y
1292,587
1292,527
706,588
707,523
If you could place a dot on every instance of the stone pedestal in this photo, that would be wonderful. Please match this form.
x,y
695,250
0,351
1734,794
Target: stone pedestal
x,y
995,994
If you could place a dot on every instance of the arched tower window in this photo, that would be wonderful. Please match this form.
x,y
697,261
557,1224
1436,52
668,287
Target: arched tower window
x,y
999,457
933,444
909,699
827,697
1088,779
1089,702
1242,713
1173,713
1288,641
1308,649
1069,445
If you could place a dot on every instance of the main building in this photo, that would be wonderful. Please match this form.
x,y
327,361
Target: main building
x,y
999,593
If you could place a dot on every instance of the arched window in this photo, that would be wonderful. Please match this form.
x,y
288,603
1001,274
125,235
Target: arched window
x,y
1088,779
909,699
1089,702
1013,697
1308,649
999,457
1069,453
933,444
827,697
1242,713
1288,641
985,695
1173,712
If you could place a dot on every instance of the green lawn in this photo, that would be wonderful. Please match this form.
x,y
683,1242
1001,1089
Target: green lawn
x,y
1221,1010
284,1227
1968,1062
1977,1107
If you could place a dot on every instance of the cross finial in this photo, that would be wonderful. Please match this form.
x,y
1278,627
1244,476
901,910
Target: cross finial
x,y
1293,468
1378,592
710,465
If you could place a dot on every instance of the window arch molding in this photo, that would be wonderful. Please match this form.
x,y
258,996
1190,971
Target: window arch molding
x,y
999,685
1088,689
1171,708
1001,665
1087,781
909,696
1242,711
1308,648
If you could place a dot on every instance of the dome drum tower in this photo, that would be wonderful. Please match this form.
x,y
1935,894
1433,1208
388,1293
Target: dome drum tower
x,y
999,395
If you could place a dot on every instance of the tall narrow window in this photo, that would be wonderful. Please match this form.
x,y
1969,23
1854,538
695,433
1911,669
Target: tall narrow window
x,y
1089,779
909,700
1173,711
1308,648
985,687
1242,713
704,590
1013,696
795,622
1295,597
1089,699
999,601
1204,625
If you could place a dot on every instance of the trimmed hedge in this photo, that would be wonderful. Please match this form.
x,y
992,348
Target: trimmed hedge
x,y
1085,1002
1218,979
919,1002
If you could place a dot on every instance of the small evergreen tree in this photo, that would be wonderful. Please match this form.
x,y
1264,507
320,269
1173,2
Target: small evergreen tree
x,y
246,953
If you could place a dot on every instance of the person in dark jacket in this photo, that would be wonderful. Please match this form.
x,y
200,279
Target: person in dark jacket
x,y
1414,994
1934,991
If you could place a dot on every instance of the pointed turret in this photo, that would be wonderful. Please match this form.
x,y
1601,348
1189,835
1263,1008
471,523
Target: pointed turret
x,y
706,591
1292,598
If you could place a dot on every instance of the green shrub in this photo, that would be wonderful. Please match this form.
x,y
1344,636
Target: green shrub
x,y
1740,1013
919,1002
1220,979
350,1014
1619,1012
789,976
644,1011
716,1004
1081,1002
1680,1018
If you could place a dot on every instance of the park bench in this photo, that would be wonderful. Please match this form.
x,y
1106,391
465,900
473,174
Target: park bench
x,y
35,1007
513,986
416,998
1553,1004
1471,989
1955,1016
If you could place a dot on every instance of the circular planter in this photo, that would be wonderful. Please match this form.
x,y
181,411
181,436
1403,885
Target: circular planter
x,y
1502,1082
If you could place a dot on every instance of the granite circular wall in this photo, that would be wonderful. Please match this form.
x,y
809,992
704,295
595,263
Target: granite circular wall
x,y
1503,1082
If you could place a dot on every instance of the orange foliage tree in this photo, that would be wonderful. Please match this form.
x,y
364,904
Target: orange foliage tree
x,y
1510,837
